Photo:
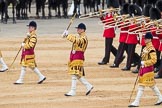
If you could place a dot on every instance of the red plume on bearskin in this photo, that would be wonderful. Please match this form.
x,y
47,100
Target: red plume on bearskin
x,y
134,9
154,14
159,5
146,10
124,9
114,3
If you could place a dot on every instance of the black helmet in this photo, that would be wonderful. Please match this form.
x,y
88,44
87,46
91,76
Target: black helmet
x,y
148,35
33,24
81,26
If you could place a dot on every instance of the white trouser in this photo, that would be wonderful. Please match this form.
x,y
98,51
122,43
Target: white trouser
x,y
22,74
138,96
41,77
157,92
23,71
72,92
86,83
4,66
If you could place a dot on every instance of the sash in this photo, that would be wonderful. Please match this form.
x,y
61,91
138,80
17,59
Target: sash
x,y
144,70
76,55
27,52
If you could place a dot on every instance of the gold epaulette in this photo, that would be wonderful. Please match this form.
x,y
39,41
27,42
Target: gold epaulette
x,y
150,48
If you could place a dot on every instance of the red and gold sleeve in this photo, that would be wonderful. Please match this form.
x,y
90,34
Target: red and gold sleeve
x,y
31,42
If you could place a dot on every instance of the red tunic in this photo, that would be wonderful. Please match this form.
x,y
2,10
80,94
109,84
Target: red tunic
x,y
123,34
155,40
132,37
160,37
143,40
108,32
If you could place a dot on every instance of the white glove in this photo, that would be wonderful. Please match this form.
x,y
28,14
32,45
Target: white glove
x,y
65,33
142,63
22,44
28,34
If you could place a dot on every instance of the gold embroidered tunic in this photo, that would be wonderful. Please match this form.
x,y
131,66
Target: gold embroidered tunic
x,y
28,56
75,65
146,77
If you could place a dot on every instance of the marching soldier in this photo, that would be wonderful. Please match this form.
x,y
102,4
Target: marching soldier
x,y
4,66
122,38
156,44
109,33
132,38
159,74
75,65
146,73
28,56
142,42
155,15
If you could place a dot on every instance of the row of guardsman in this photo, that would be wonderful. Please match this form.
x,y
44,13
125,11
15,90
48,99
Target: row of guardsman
x,y
60,6
133,20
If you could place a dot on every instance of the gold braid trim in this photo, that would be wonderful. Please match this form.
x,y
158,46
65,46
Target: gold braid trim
x,y
75,68
147,79
0,54
29,61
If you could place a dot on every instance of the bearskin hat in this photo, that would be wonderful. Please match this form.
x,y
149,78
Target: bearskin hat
x,y
155,14
114,3
159,5
124,9
140,3
146,10
134,9
151,1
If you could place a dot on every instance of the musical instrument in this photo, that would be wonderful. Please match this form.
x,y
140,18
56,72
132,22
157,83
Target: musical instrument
x,y
98,13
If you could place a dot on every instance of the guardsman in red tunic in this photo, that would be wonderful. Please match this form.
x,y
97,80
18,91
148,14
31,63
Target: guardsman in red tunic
x,y
156,44
143,32
4,66
131,42
109,33
121,48
142,43
28,56
155,15
159,74
122,38
159,6
132,38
